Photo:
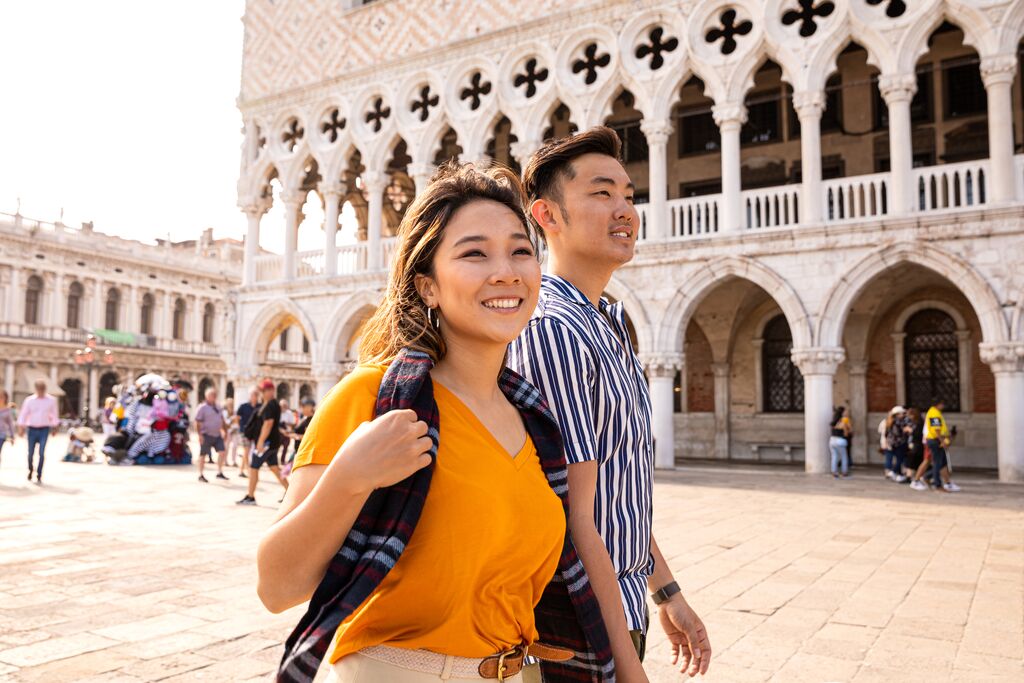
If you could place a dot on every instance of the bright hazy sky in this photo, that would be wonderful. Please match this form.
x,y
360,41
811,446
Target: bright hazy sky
x,y
123,112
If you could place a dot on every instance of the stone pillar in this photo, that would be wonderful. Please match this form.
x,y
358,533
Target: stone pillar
x,y
758,344
197,319
997,71
57,317
859,409
1007,363
722,435
15,297
901,376
818,367
657,134
98,305
661,370
898,91
253,214
293,202
421,174
730,119
374,182
809,105
966,357
9,379
94,393
132,312
332,194
163,320
523,149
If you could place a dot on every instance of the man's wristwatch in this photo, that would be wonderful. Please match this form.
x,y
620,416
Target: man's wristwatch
x,y
665,592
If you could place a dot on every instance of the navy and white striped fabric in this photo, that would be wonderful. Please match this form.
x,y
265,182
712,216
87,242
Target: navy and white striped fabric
x,y
581,359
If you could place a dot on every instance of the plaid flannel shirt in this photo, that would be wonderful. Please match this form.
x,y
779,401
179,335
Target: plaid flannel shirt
x,y
568,614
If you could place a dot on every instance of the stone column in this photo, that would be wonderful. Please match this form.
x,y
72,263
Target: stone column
x,y
997,72
98,305
898,91
58,299
1007,363
293,202
375,182
966,357
901,376
253,214
9,379
132,313
197,319
661,370
163,318
722,431
730,119
818,367
809,105
657,134
523,149
15,297
758,344
332,194
421,174
94,393
859,409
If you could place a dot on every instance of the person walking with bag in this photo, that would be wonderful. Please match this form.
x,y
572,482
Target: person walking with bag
x,y
432,434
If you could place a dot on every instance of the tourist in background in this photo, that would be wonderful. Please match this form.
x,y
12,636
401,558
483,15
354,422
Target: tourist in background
x,y
7,426
898,430
211,429
938,438
231,422
108,420
38,416
265,433
308,407
287,424
915,443
839,442
245,415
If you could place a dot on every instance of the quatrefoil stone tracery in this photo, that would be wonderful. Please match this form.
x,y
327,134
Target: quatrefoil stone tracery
x,y
808,13
292,134
335,123
530,77
476,90
377,115
424,102
590,62
656,47
728,30
893,8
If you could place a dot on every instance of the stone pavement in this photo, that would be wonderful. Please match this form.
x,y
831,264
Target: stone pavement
x,y
143,574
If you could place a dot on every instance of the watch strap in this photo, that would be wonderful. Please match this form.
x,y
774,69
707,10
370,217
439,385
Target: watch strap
x,y
665,592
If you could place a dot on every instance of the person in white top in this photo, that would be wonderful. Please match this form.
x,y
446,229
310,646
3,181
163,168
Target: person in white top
x,y
38,416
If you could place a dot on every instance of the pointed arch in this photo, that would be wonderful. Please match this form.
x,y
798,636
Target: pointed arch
x,y
342,319
636,311
689,296
275,316
957,271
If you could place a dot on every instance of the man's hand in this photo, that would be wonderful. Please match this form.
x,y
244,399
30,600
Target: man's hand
x,y
687,634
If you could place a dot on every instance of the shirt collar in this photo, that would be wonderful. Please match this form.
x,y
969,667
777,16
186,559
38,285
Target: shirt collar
x,y
568,291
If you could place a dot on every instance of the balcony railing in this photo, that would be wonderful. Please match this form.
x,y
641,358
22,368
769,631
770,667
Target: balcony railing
x,y
288,357
79,336
942,188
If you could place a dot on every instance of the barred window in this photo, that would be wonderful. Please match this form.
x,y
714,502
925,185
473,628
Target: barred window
x,y
75,294
112,309
178,322
783,383
146,314
932,360
33,295
208,323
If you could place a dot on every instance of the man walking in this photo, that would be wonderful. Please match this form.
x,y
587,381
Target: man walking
x,y
38,415
211,430
938,438
577,351
267,443
245,413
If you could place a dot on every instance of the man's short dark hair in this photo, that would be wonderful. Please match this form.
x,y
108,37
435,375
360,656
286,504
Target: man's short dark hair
x,y
551,165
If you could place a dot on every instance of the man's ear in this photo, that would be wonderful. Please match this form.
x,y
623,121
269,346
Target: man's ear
x,y
427,290
544,212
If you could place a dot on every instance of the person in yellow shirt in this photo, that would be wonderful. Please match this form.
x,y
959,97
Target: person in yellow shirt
x,y
490,542
937,438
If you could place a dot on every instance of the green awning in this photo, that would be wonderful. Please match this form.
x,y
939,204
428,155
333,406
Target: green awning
x,y
116,337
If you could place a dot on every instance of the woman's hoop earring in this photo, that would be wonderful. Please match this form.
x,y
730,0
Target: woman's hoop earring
x,y
433,319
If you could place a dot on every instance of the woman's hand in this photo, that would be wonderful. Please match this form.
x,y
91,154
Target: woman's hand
x,y
382,452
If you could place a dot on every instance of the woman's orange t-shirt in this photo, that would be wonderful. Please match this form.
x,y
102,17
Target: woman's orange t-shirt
x,y
486,545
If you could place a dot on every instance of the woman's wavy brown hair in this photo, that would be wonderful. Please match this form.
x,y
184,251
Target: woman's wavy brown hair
x,y
401,320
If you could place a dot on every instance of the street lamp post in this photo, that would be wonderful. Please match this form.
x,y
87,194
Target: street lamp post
x,y
89,357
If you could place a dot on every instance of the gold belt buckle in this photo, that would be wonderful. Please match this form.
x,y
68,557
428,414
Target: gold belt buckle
x,y
501,663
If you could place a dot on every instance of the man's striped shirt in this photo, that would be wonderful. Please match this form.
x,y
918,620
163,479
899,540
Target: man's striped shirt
x,y
581,358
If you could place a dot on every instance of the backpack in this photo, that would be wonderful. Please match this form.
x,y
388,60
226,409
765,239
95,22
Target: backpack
x,y
251,430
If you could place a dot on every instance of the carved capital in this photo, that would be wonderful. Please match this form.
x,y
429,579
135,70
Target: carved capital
x,y
898,87
374,182
254,207
293,200
1003,357
720,369
656,132
809,103
857,367
729,115
820,360
421,170
662,364
334,188
523,149
998,69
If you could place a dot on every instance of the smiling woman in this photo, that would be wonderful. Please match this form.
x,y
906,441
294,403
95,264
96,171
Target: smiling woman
x,y
433,433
